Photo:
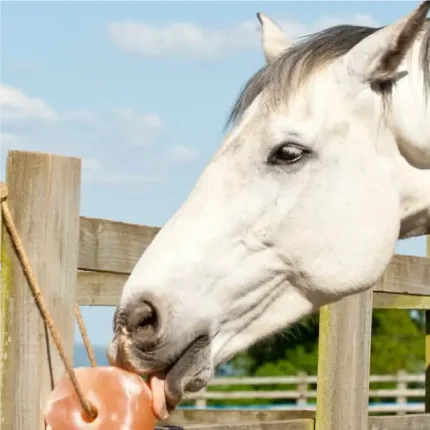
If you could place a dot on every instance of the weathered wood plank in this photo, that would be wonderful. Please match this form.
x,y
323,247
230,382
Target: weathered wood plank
x,y
104,288
44,196
188,417
305,424
112,246
253,419
427,347
406,275
5,329
399,301
99,288
409,422
344,363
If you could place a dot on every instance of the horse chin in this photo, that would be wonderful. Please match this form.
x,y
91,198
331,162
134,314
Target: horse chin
x,y
189,373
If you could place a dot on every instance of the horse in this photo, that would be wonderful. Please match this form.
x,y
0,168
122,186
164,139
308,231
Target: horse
x,y
324,166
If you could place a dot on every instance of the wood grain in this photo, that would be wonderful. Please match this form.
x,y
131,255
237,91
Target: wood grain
x,y
44,196
406,275
104,289
190,417
299,424
400,301
427,346
112,246
407,422
410,422
5,330
100,288
344,363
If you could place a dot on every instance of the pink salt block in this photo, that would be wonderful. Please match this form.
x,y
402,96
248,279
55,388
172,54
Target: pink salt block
x,y
122,399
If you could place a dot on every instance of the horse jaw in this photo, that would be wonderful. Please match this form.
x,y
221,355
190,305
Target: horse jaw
x,y
415,199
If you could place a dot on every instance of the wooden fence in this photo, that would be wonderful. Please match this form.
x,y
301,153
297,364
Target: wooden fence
x,y
87,260
301,392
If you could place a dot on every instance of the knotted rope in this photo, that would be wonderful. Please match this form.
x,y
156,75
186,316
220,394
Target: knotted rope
x,y
37,294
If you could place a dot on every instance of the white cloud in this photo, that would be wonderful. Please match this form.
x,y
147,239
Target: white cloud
x,y
136,129
93,172
183,39
90,163
81,116
119,146
16,106
11,141
179,39
182,155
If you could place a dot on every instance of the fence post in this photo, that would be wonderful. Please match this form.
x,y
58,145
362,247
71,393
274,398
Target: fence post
x,y
44,198
401,385
427,347
4,334
344,363
302,389
201,403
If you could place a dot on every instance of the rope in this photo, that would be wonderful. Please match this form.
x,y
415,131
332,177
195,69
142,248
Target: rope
x,y
37,294
85,338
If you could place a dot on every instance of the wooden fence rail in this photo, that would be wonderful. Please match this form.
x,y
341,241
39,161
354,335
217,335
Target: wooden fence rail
x,y
399,377
108,250
302,392
90,259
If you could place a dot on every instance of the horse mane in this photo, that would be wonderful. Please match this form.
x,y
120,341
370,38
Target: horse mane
x,y
287,72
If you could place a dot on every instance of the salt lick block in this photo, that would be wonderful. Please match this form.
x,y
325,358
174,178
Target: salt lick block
x,y
122,399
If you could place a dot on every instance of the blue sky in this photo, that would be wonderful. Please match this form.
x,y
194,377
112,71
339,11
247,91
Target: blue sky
x,y
140,91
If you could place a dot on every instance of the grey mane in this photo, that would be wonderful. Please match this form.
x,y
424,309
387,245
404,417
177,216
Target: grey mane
x,y
288,71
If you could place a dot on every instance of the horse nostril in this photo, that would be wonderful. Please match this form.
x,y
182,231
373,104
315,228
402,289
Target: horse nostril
x,y
142,322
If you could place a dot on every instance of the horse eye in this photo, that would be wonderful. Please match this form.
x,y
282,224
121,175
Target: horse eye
x,y
285,153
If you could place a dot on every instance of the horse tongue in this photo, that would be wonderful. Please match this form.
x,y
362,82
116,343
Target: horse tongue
x,y
159,404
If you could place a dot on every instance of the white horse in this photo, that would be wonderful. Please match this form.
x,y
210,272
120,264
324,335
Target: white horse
x,y
326,166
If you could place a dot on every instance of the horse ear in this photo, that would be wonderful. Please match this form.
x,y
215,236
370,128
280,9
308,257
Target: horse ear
x,y
377,57
273,39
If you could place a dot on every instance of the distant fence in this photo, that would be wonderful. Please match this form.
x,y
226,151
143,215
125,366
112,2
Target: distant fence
x,y
88,260
400,399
